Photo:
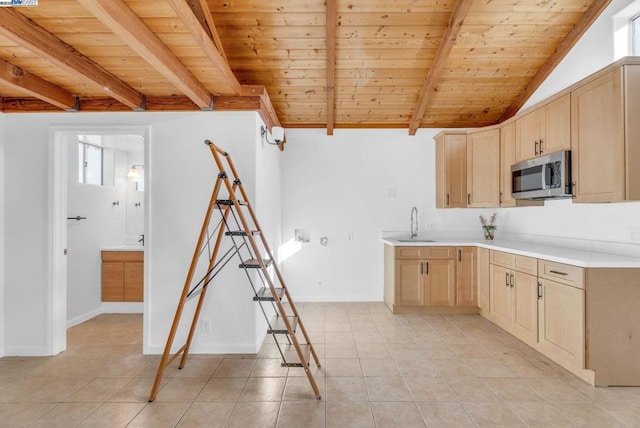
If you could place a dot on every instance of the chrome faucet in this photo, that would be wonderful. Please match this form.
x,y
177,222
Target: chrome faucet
x,y
414,223
141,240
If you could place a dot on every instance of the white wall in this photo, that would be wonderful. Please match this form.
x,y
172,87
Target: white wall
x,y
337,185
104,227
180,176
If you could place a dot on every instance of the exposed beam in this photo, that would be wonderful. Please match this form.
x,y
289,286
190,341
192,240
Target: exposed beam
x,y
266,110
331,24
23,31
431,81
201,10
563,49
203,40
17,78
119,18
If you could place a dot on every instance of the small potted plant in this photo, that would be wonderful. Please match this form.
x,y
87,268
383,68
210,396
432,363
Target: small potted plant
x,y
489,227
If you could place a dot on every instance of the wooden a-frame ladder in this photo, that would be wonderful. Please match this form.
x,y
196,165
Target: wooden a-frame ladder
x,y
249,244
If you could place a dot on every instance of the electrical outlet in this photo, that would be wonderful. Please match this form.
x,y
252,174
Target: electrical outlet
x,y
350,236
431,226
205,326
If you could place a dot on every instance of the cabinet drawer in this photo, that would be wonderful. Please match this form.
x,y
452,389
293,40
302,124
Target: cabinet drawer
x,y
526,265
565,274
408,253
122,256
421,253
500,258
441,253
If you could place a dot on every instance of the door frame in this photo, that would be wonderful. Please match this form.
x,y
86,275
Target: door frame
x,y
57,221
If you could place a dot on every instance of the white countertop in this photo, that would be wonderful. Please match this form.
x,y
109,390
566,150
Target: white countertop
x,y
571,256
124,248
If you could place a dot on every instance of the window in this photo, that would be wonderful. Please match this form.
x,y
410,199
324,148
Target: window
x,y
635,35
90,160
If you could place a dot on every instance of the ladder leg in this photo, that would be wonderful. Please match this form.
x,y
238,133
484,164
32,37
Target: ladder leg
x,y
176,319
196,315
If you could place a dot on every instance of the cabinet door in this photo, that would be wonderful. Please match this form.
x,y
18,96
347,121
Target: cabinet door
x,y
483,169
524,316
500,296
466,284
456,159
409,282
507,158
440,283
112,282
597,140
556,126
527,136
451,171
561,322
133,282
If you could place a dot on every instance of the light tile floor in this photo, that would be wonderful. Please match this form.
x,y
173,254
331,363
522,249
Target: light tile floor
x,y
378,369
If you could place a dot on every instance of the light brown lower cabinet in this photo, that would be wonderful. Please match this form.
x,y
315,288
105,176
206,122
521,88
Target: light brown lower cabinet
x,y
122,276
562,322
514,302
441,279
425,282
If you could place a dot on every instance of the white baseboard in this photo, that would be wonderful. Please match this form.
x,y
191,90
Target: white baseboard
x,y
84,317
27,351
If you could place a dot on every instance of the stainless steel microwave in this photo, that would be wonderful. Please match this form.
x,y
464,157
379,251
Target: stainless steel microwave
x,y
544,177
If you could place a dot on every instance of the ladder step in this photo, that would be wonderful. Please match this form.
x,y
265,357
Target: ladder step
x,y
229,202
264,294
278,326
242,233
291,358
254,264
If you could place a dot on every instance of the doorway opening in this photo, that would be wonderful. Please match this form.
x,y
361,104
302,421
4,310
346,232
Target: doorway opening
x,y
98,213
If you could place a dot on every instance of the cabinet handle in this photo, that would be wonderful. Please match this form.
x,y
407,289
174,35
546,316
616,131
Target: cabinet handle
x,y
574,186
427,268
539,290
447,199
506,279
540,146
557,272
459,255
500,198
535,148
468,198
511,280
421,268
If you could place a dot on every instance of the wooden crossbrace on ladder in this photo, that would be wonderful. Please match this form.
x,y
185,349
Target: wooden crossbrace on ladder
x,y
242,230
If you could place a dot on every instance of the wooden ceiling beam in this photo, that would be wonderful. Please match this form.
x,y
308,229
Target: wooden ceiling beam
x,y
563,49
119,18
23,31
448,42
201,10
331,23
266,110
16,78
202,38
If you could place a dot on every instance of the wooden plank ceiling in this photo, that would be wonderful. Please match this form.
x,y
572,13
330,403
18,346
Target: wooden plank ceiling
x,y
299,63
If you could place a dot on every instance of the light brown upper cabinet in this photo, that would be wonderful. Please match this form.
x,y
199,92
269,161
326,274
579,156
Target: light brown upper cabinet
x,y
605,131
483,168
451,170
545,130
507,158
